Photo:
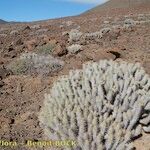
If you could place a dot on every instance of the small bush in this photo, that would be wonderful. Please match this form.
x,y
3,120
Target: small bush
x,y
74,35
35,26
141,18
98,34
14,32
74,48
19,67
46,49
129,21
137,22
94,35
116,27
129,25
68,23
3,35
106,22
105,31
31,63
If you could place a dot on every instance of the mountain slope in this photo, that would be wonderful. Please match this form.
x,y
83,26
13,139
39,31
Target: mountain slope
x,y
2,21
130,5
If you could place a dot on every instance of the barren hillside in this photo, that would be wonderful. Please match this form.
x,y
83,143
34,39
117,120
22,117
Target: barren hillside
x,y
2,21
112,7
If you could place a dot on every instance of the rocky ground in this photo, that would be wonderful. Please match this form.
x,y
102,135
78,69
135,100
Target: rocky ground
x,y
125,36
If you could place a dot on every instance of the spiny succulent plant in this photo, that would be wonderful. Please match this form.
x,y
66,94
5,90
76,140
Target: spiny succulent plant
x,y
102,107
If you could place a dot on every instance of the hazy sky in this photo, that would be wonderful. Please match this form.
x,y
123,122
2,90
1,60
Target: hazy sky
x,y
31,10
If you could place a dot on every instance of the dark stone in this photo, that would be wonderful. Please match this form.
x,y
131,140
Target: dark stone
x,y
19,42
2,84
4,73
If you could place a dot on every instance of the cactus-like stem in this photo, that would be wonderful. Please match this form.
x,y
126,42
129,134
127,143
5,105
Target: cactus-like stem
x,y
103,106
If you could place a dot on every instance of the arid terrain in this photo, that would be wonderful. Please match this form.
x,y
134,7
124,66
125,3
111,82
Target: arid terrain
x,y
117,30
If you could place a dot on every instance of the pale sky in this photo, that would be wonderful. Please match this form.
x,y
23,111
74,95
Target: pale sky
x,y
34,10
